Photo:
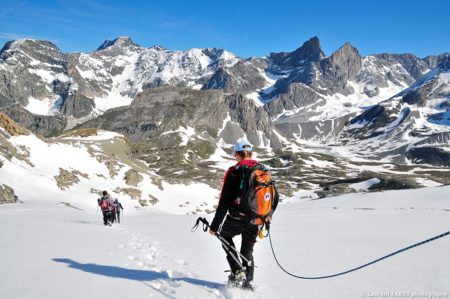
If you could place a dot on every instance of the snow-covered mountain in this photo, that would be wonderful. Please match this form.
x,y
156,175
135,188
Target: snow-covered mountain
x,y
155,128
210,97
46,81
411,126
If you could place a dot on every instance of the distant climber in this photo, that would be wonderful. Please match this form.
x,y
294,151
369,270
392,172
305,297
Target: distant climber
x,y
248,200
118,207
106,204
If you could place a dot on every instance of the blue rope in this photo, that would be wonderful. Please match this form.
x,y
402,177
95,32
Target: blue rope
x,y
362,266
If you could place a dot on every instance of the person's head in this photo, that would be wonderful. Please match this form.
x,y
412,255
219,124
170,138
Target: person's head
x,y
104,193
243,150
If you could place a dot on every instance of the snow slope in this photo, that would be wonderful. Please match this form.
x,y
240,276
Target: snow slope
x,y
98,170
49,250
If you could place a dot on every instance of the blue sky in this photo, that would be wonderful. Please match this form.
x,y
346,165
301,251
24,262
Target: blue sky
x,y
245,27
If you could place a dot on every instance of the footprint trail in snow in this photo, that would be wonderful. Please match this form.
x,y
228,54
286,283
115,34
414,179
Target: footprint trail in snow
x,y
172,275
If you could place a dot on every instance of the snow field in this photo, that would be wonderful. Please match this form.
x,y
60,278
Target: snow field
x,y
59,251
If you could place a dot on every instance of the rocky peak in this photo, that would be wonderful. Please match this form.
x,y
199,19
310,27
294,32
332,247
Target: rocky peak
x,y
119,42
434,60
158,48
216,55
345,53
415,66
42,50
28,43
346,61
214,52
444,63
310,51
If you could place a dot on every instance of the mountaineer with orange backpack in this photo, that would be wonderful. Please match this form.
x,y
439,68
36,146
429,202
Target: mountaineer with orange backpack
x,y
248,200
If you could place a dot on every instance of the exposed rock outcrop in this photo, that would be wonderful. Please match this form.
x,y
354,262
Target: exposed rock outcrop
x,y
67,178
7,195
11,127
132,177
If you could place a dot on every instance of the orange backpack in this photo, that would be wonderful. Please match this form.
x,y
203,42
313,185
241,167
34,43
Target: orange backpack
x,y
257,193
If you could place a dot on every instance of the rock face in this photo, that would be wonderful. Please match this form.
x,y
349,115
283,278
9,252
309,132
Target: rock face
x,y
185,120
429,155
77,105
120,42
28,67
11,127
310,51
158,110
67,178
244,77
132,177
7,195
297,95
42,124
342,66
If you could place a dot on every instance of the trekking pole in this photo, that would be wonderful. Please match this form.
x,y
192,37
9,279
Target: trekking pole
x,y
225,244
221,239
228,247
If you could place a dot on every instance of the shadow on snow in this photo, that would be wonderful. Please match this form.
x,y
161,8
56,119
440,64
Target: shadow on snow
x,y
132,274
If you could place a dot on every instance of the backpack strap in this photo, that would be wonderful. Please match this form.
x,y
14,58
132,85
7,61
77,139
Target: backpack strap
x,y
242,183
245,181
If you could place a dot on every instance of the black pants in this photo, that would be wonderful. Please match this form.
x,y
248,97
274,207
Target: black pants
x,y
233,227
118,217
106,216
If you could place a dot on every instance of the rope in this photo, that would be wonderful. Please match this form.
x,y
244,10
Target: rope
x,y
360,267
